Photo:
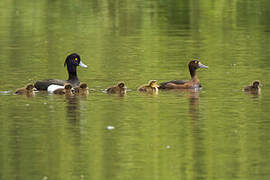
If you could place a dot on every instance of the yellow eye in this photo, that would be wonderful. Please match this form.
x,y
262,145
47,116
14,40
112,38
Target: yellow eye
x,y
196,62
76,59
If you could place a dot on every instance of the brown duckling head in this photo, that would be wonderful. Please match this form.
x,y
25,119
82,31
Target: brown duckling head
x,y
29,87
83,85
256,84
153,83
67,86
121,85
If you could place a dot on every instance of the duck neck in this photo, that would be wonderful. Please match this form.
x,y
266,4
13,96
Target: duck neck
x,y
72,73
193,73
72,76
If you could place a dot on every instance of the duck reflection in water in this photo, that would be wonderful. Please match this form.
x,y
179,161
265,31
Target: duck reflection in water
x,y
194,104
73,102
196,126
73,108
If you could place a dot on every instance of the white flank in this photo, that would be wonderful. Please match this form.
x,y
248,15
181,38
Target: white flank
x,y
53,87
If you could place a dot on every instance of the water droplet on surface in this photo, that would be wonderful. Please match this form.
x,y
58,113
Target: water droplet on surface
x,y
110,127
5,92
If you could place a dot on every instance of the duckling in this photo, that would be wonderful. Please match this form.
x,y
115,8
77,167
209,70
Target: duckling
x,y
183,84
67,90
72,61
27,90
119,88
151,87
254,87
81,89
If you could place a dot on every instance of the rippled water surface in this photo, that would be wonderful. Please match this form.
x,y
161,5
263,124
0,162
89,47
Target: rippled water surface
x,y
219,132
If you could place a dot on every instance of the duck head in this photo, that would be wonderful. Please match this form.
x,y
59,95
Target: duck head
x,y
72,61
153,83
196,64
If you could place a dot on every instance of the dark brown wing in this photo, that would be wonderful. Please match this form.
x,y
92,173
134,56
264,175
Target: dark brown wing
x,y
163,85
44,84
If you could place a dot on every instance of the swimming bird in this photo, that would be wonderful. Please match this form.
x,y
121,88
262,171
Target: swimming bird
x,y
118,89
253,88
27,90
66,90
72,61
183,84
151,87
81,89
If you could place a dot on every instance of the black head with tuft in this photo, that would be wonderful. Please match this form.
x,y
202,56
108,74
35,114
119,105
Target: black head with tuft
x,y
72,61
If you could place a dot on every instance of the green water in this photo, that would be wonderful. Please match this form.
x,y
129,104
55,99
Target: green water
x,y
217,133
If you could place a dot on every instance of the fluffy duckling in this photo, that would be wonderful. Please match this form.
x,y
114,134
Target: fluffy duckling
x,y
119,88
253,88
151,87
67,90
81,89
27,90
183,84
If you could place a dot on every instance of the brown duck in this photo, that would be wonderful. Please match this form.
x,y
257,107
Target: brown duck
x,y
182,84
